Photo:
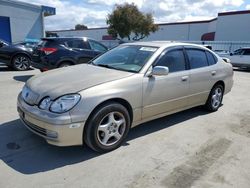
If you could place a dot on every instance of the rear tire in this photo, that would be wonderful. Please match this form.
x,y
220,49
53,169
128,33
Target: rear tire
x,y
215,98
107,127
65,64
20,62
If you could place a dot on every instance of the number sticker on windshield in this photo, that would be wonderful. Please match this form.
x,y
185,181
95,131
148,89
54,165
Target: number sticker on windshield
x,y
149,49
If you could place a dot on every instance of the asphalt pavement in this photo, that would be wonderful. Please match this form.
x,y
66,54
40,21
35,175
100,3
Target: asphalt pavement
x,y
193,148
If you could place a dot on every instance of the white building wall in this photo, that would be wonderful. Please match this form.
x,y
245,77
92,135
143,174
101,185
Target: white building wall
x,y
212,26
25,22
91,33
166,32
197,30
233,28
170,32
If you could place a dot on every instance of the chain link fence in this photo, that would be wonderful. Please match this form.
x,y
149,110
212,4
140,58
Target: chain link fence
x,y
217,46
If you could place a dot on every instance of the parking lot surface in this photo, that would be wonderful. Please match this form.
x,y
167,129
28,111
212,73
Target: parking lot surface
x,y
193,148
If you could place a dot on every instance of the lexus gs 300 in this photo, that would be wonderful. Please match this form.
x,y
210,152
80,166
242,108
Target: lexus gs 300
x,y
97,103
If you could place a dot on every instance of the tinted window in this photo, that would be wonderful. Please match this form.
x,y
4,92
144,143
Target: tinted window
x,y
96,46
211,59
246,52
197,58
76,44
174,60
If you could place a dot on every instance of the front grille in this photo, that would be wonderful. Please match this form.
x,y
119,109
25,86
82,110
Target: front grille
x,y
35,128
51,135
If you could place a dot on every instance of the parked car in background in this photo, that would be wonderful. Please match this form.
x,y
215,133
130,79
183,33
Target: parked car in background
x,y
97,103
53,53
17,55
240,57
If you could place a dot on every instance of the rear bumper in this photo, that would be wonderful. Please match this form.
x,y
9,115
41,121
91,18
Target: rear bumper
x,y
57,130
42,66
43,63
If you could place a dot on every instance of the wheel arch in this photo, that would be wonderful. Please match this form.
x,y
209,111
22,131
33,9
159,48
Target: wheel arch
x,y
220,82
121,101
20,53
71,61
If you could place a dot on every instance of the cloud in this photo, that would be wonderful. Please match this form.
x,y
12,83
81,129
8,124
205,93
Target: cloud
x,y
93,13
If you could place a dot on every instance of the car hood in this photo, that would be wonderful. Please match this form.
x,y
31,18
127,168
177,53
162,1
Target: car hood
x,y
71,79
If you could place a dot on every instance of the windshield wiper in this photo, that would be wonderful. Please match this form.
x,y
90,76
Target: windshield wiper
x,y
112,67
104,65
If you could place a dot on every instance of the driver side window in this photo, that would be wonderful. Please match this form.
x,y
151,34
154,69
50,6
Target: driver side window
x,y
174,60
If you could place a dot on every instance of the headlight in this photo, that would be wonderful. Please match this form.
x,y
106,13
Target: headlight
x,y
65,103
45,103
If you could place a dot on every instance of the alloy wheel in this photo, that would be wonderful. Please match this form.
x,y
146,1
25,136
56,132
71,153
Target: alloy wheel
x,y
21,63
111,128
217,97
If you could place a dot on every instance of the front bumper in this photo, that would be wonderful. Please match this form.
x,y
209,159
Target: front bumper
x,y
57,129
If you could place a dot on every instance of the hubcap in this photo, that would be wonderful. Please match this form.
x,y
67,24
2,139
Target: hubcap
x,y
111,128
21,62
216,97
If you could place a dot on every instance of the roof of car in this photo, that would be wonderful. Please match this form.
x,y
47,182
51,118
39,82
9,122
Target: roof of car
x,y
162,44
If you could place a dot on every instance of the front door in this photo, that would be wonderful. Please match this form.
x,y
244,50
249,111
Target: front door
x,y
163,94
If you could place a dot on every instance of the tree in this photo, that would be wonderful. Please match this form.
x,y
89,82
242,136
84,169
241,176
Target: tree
x,y
126,21
80,27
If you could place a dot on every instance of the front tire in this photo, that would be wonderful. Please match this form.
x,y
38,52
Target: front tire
x,y
215,98
107,127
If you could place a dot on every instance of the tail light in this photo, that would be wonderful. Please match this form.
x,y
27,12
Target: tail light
x,y
48,51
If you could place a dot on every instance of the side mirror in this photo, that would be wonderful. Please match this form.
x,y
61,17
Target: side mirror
x,y
160,71
226,60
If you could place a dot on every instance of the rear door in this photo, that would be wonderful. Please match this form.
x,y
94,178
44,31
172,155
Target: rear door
x,y
200,75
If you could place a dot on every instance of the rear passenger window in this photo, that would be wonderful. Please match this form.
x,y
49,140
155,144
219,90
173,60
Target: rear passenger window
x,y
211,59
174,60
197,58
77,44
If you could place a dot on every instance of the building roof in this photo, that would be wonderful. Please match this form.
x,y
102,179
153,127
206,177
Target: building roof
x,y
176,23
48,11
234,13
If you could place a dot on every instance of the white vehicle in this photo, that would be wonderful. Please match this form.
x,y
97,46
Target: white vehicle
x,y
240,58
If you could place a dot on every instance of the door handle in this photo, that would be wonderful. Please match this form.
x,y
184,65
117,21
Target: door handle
x,y
213,73
184,78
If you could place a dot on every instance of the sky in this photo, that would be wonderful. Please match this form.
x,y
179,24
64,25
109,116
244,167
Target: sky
x,y
93,13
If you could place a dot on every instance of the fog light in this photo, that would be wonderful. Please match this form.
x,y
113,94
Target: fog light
x,y
51,134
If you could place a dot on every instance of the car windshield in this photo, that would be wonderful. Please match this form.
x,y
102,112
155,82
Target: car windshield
x,y
129,58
